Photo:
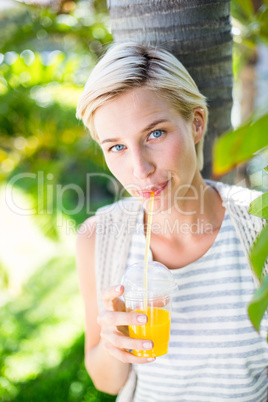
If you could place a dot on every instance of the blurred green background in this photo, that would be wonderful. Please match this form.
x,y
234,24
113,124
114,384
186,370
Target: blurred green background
x,y
46,156
53,176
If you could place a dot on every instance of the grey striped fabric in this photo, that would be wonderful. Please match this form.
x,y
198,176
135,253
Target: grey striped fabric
x,y
214,353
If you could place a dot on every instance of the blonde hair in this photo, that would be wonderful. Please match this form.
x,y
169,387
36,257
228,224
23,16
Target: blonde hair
x,y
131,65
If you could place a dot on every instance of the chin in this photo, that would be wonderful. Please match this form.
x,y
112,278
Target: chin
x,y
161,205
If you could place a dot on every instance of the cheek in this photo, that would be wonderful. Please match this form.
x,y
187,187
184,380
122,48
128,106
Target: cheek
x,y
177,151
118,169
182,154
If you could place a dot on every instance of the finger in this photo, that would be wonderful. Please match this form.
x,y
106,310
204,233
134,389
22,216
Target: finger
x,y
117,318
126,357
124,342
111,300
112,292
160,302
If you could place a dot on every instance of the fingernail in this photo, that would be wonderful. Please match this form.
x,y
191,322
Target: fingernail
x,y
142,318
147,345
150,359
118,288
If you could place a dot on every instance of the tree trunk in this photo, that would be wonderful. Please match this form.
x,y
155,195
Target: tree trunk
x,y
198,33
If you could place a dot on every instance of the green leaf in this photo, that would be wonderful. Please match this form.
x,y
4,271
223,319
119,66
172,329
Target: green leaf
x,y
259,252
259,207
259,304
239,145
263,22
266,169
246,6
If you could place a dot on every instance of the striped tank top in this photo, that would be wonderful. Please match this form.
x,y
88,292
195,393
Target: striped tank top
x,y
214,352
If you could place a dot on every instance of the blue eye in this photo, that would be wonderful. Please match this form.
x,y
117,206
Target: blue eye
x,y
117,148
156,133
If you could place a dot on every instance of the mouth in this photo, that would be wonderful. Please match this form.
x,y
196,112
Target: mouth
x,y
146,193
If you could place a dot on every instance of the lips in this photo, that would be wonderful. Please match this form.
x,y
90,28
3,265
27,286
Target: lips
x,y
146,193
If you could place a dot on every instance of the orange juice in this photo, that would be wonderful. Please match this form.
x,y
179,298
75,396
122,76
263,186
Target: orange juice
x,y
157,330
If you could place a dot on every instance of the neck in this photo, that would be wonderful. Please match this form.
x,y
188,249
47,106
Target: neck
x,y
198,210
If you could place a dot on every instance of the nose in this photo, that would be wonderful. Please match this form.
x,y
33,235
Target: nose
x,y
142,165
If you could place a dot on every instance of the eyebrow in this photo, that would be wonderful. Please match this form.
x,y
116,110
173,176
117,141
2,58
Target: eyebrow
x,y
148,128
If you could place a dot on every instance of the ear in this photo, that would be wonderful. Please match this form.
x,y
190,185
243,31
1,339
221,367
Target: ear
x,y
198,124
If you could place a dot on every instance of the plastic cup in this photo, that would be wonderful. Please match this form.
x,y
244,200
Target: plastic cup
x,y
155,303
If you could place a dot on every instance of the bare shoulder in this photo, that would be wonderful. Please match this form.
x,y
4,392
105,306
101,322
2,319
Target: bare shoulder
x,y
87,231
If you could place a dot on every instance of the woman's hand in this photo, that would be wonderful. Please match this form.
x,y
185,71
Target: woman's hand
x,y
114,333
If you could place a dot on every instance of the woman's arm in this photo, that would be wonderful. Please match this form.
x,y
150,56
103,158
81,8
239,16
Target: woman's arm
x,y
106,360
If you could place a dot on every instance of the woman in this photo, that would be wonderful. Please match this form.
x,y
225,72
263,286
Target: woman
x,y
148,116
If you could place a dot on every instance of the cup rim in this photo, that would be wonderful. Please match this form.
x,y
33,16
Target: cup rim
x,y
150,297
166,291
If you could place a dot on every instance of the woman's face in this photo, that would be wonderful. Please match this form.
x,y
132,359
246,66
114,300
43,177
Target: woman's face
x,y
148,146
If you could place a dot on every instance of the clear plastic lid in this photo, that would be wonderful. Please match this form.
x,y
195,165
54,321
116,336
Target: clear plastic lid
x,y
160,281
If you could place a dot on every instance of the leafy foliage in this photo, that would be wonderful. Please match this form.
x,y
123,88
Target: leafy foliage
x,y
259,304
253,21
44,66
66,382
259,207
41,346
243,143
259,252
45,58
240,145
